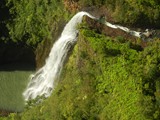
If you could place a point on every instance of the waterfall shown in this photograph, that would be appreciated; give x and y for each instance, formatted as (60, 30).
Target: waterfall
(132, 32)
(42, 82)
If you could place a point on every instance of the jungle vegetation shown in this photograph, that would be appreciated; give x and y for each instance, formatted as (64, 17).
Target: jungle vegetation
(31, 21)
(105, 78)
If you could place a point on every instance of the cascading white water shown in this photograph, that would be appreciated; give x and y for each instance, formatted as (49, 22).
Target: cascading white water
(134, 33)
(42, 82)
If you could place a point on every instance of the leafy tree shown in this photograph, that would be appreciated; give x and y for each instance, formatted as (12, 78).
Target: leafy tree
(33, 20)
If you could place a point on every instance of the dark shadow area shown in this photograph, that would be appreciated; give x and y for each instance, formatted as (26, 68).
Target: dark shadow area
(145, 23)
(17, 66)
(4, 17)
(16, 57)
(13, 56)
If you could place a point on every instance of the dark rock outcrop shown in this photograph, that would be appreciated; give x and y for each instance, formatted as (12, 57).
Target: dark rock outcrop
(103, 29)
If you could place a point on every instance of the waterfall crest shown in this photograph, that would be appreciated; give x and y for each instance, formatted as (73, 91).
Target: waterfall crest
(42, 82)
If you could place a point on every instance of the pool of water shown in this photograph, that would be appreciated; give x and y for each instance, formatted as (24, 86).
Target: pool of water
(12, 84)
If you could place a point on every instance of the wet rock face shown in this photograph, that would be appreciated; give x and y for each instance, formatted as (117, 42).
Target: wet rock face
(98, 25)
(149, 35)
(103, 29)
(43, 49)
(100, 11)
(42, 52)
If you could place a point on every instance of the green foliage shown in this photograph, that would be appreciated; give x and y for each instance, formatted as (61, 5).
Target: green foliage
(3, 20)
(132, 12)
(33, 20)
(92, 2)
(139, 13)
(34, 102)
(103, 79)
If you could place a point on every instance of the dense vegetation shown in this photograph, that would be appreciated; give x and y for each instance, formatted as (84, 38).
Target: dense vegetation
(142, 13)
(105, 78)
(32, 21)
